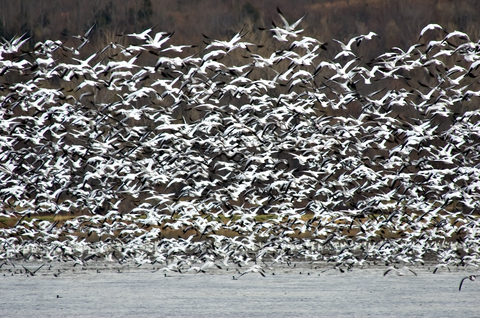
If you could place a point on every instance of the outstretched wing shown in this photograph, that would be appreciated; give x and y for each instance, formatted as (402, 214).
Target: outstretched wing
(461, 283)
(412, 272)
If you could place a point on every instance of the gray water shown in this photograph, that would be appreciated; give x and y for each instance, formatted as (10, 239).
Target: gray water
(287, 293)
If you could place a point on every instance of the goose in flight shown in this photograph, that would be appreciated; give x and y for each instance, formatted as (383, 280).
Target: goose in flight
(32, 273)
(281, 34)
(84, 38)
(140, 36)
(288, 26)
(253, 269)
(357, 40)
(178, 48)
(158, 40)
(400, 272)
(232, 44)
(471, 277)
(431, 26)
(13, 45)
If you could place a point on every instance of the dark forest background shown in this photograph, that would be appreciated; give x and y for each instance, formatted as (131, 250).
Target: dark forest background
(397, 22)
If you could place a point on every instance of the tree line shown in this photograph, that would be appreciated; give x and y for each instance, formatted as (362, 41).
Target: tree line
(398, 22)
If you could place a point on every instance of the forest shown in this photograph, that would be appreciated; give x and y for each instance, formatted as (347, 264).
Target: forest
(397, 22)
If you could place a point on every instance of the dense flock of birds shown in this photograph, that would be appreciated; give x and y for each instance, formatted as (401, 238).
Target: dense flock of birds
(189, 159)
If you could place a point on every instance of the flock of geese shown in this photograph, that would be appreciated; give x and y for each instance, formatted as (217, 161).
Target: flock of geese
(237, 156)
